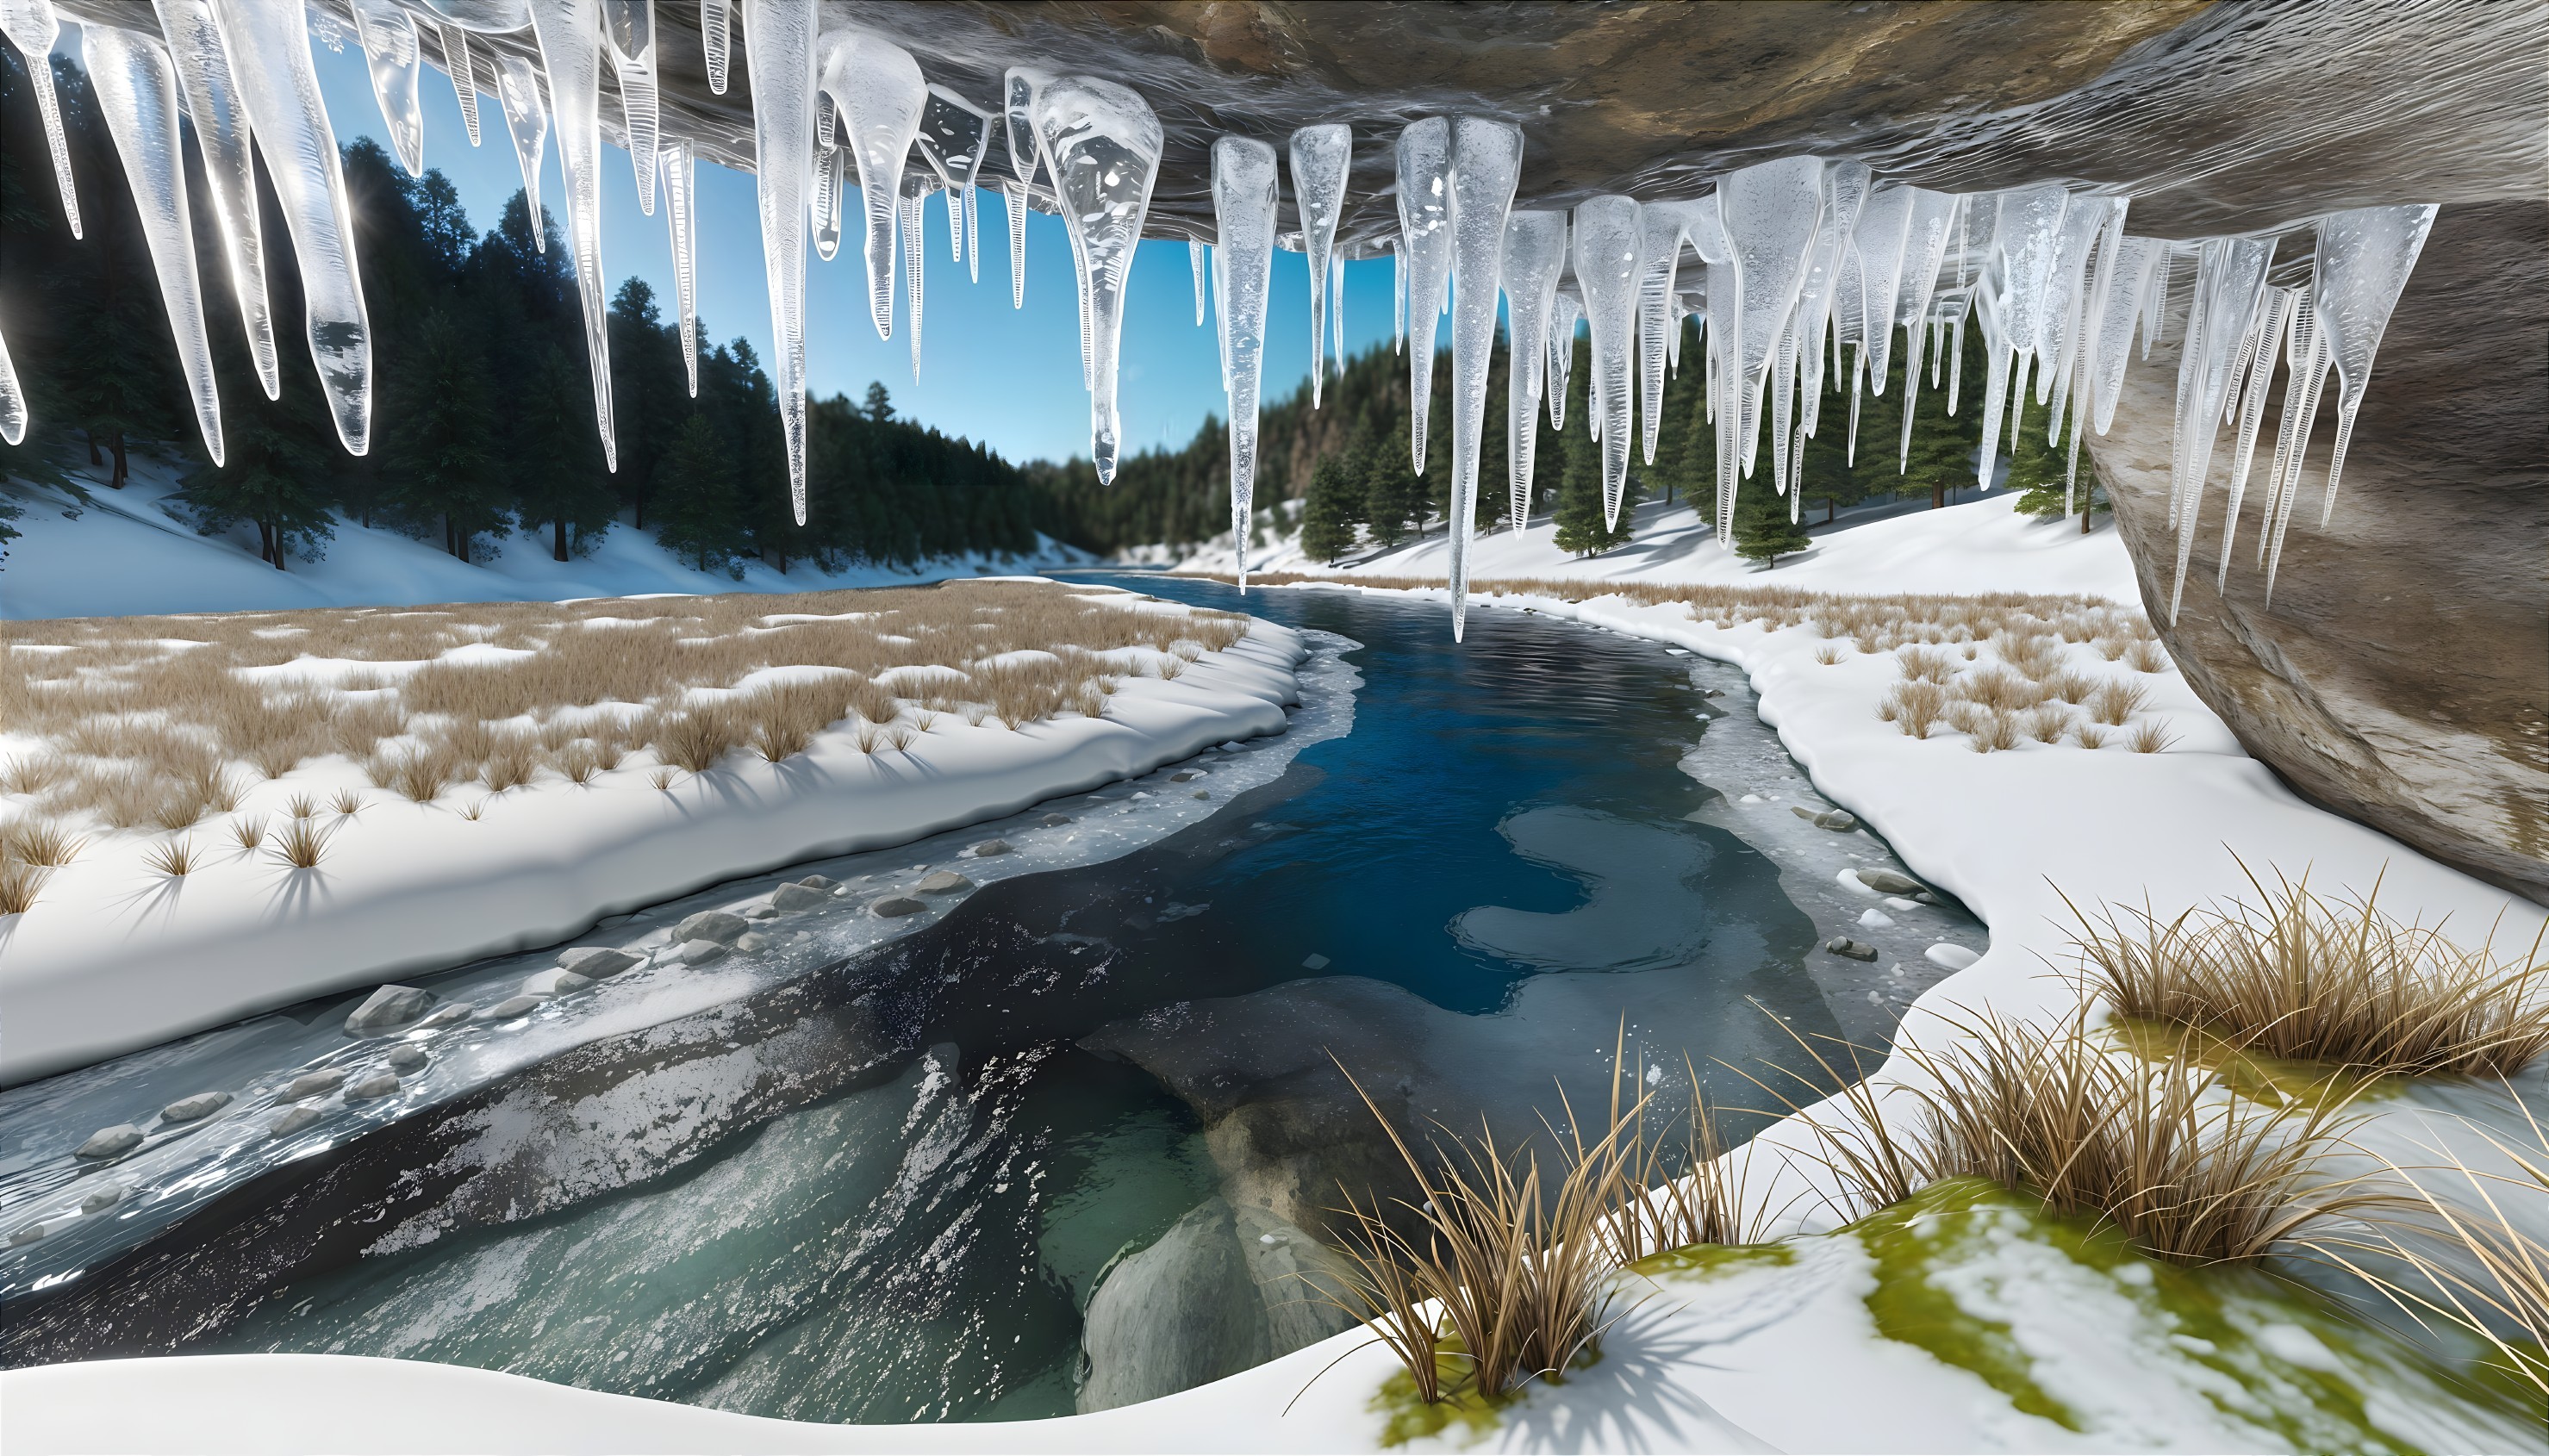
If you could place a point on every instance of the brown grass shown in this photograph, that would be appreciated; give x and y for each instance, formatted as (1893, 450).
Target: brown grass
(2090, 736)
(2046, 722)
(1828, 655)
(41, 843)
(1927, 665)
(173, 858)
(346, 802)
(1916, 706)
(303, 843)
(2150, 736)
(2144, 655)
(19, 883)
(1998, 689)
(249, 833)
(2114, 703)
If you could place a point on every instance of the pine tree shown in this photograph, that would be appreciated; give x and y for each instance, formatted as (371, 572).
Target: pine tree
(695, 511)
(648, 392)
(1762, 530)
(439, 451)
(557, 458)
(2038, 471)
(880, 404)
(1333, 507)
(271, 476)
(1581, 526)
(1395, 499)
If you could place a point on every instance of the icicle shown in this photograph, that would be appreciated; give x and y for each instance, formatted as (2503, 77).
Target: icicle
(714, 17)
(1486, 164)
(1243, 210)
(1566, 312)
(1660, 229)
(1884, 228)
(1398, 295)
(1535, 254)
(876, 86)
(1998, 359)
(2364, 258)
(137, 94)
(569, 33)
(1200, 257)
(2157, 300)
(1337, 312)
(2120, 307)
(679, 209)
(915, 211)
(1846, 186)
(278, 89)
(1925, 251)
(831, 186)
(1770, 212)
(391, 54)
(211, 93)
(1321, 158)
(2065, 278)
(1957, 353)
(2275, 325)
(2226, 286)
(1016, 191)
(1102, 145)
(1017, 112)
(956, 139)
(778, 62)
(1606, 237)
(517, 89)
(464, 75)
(31, 25)
(2080, 362)
(1425, 253)
(13, 401)
(2306, 374)
(629, 27)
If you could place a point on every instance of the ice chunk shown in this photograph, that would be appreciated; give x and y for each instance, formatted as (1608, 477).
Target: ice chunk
(716, 19)
(679, 211)
(2364, 258)
(137, 94)
(391, 54)
(1425, 253)
(1607, 237)
(526, 120)
(629, 27)
(211, 93)
(1102, 145)
(1321, 156)
(878, 88)
(1486, 164)
(1535, 254)
(779, 61)
(569, 33)
(1242, 209)
(31, 25)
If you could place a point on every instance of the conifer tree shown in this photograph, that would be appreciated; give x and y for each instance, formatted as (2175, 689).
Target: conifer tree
(1582, 527)
(1333, 507)
(2038, 471)
(439, 450)
(1762, 530)
(696, 515)
(1395, 499)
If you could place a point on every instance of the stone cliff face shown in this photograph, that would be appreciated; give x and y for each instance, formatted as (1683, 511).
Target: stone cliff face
(2401, 674)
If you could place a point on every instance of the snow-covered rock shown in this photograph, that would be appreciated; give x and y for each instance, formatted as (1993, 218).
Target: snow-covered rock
(790, 899)
(112, 1141)
(944, 883)
(554, 982)
(195, 1108)
(596, 961)
(710, 924)
(388, 1009)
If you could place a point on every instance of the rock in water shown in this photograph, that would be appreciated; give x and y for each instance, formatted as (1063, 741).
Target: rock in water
(712, 925)
(404, 1060)
(894, 905)
(102, 1199)
(1054, 821)
(990, 847)
(1854, 950)
(312, 1084)
(1178, 1315)
(944, 883)
(819, 883)
(372, 1088)
(293, 1121)
(751, 940)
(447, 1014)
(193, 1109)
(510, 1007)
(596, 961)
(26, 1234)
(701, 953)
(555, 982)
(388, 1009)
(112, 1141)
(790, 899)
(1886, 881)
(1840, 821)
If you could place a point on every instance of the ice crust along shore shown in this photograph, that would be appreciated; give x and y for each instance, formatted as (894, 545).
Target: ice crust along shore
(1743, 1364)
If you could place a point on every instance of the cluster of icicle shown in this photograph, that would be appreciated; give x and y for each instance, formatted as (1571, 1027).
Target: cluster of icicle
(1805, 265)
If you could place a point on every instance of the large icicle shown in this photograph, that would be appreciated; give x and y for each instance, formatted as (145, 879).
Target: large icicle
(1924, 250)
(1846, 186)
(1535, 254)
(2119, 309)
(204, 77)
(1884, 228)
(1425, 256)
(454, 43)
(526, 120)
(396, 62)
(2306, 375)
(879, 90)
(1566, 312)
(955, 138)
(1770, 212)
(915, 213)
(1017, 112)
(831, 186)
(680, 208)
(2364, 258)
(1200, 258)
(715, 16)
(1320, 157)
(2228, 284)
(629, 25)
(1242, 209)
(2062, 326)
(1397, 297)
(2275, 324)
(779, 61)
(13, 401)
(137, 94)
(569, 33)
(1662, 227)
(1486, 164)
(1606, 242)
(269, 50)
(1102, 145)
(31, 25)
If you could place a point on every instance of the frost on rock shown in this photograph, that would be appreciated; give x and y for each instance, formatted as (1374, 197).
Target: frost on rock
(629, 25)
(955, 138)
(526, 120)
(569, 33)
(211, 93)
(1770, 212)
(779, 61)
(1486, 164)
(1320, 158)
(1102, 145)
(716, 17)
(391, 54)
(680, 206)
(1607, 235)
(1535, 254)
(879, 92)
(2364, 258)
(1425, 258)
(1243, 210)
(31, 25)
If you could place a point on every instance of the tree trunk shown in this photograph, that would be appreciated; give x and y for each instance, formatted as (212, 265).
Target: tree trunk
(274, 533)
(1831, 508)
(265, 541)
(94, 458)
(2086, 514)
(123, 466)
(1937, 497)
(557, 539)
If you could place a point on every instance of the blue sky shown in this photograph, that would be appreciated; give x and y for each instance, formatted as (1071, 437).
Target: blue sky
(1006, 377)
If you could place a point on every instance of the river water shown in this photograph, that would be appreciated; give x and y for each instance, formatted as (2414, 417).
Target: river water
(1475, 870)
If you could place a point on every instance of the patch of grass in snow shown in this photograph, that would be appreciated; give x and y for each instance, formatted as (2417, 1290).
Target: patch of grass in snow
(1905, 1241)
(2256, 1075)
(1704, 1260)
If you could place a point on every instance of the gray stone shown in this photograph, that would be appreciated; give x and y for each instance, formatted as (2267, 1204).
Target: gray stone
(818, 881)
(445, 1015)
(102, 1198)
(791, 899)
(1201, 794)
(751, 940)
(112, 1141)
(1182, 777)
(1887, 883)
(293, 1121)
(894, 905)
(944, 883)
(1854, 950)
(372, 1088)
(405, 1060)
(554, 982)
(1840, 821)
(26, 1234)
(710, 924)
(195, 1108)
(990, 847)
(510, 1007)
(312, 1084)
(701, 953)
(388, 1009)
(1925, 898)
(844, 892)
(1314, 961)
(1054, 821)
(596, 961)
(760, 912)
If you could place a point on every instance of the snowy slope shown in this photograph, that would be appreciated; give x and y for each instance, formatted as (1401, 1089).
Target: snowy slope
(1982, 545)
(130, 554)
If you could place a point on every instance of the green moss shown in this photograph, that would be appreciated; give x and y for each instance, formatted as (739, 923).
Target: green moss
(1475, 1415)
(1707, 1259)
(2274, 1080)
(1906, 1241)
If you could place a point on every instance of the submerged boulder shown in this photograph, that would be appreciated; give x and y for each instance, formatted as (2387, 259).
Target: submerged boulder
(112, 1141)
(789, 900)
(389, 1009)
(554, 982)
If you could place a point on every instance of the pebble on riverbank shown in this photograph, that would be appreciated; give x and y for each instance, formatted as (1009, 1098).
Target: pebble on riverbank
(195, 1108)
(895, 905)
(944, 883)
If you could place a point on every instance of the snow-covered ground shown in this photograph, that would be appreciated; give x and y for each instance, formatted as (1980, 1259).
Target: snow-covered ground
(2019, 1340)
(132, 553)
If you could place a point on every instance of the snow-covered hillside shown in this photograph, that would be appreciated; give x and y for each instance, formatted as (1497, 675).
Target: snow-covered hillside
(133, 553)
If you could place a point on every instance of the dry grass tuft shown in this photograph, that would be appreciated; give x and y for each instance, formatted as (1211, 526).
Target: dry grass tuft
(2150, 736)
(20, 884)
(2144, 655)
(32, 773)
(41, 843)
(249, 834)
(2038, 656)
(2090, 736)
(1927, 665)
(1998, 689)
(696, 740)
(173, 858)
(2072, 687)
(664, 778)
(1828, 655)
(2047, 722)
(576, 763)
(2114, 703)
(346, 803)
(1985, 730)
(2298, 976)
(1916, 706)
(303, 843)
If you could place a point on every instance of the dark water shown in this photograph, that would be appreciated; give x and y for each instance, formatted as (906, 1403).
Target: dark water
(1503, 834)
